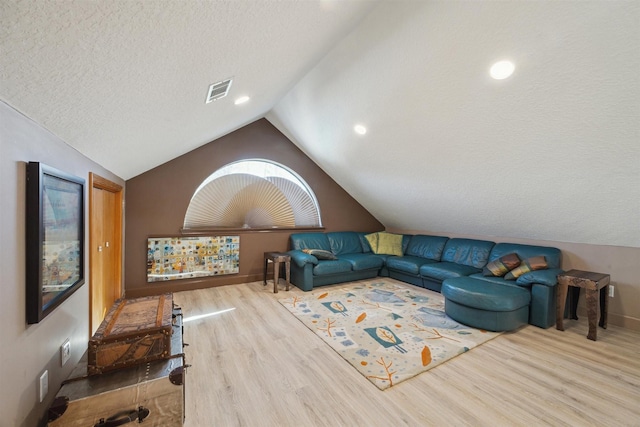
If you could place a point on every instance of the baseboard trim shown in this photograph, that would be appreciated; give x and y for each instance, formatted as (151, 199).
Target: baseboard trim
(615, 319)
(175, 285)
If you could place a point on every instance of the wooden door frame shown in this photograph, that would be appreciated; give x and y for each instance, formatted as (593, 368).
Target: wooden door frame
(96, 181)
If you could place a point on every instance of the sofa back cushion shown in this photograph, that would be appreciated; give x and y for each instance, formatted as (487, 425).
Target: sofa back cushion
(301, 241)
(551, 255)
(429, 247)
(406, 239)
(344, 242)
(471, 252)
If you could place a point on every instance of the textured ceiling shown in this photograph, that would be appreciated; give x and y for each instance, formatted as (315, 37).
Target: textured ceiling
(125, 81)
(552, 153)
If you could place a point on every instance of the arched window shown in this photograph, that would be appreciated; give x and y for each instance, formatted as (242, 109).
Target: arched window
(253, 193)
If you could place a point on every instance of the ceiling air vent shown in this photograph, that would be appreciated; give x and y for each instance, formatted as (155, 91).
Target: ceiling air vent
(218, 90)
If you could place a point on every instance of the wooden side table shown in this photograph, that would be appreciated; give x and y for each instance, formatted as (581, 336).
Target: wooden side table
(276, 258)
(593, 283)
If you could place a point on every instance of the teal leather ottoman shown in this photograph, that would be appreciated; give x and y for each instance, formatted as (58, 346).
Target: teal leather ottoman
(486, 305)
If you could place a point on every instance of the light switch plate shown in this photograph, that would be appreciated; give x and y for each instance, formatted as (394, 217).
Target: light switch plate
(65, 352)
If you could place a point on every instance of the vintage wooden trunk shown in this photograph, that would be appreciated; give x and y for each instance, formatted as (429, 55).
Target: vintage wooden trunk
(152, 393)
(133, 331)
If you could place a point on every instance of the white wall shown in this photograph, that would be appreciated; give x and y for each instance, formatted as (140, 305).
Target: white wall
(27, 350)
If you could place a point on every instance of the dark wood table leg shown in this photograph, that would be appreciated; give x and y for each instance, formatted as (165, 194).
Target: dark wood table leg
(266, 262)
(573, 295)
(560, 303)
(604, 306)
(276, 273)
(592, 312)
(287, 271)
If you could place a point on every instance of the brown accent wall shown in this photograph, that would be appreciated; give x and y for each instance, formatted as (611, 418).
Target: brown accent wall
(156, 203)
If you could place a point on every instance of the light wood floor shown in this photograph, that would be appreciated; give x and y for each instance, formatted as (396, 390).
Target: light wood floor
(257, 365)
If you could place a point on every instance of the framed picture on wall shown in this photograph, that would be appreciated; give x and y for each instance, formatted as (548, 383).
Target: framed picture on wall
(54, 238)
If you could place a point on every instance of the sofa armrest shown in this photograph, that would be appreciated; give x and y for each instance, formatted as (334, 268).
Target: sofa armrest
(300, 258)
(544, 277)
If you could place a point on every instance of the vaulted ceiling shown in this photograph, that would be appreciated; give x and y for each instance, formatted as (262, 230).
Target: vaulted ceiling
(551, 153)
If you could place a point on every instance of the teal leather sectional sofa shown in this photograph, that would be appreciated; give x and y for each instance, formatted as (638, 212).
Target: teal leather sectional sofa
(452, 266)
(355, 260)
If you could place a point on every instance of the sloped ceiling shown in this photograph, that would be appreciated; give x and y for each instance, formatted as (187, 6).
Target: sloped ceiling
(552, 153)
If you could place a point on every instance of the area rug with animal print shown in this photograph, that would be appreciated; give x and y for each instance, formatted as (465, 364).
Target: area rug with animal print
(389, 331)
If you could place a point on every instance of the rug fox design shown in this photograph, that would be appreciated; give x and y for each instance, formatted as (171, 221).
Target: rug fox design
(388, 331)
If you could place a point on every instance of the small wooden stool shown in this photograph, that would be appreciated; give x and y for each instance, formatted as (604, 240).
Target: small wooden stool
(593, 283)
(276, 258)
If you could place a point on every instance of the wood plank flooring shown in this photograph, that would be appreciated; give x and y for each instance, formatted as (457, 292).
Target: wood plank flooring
(257, 365)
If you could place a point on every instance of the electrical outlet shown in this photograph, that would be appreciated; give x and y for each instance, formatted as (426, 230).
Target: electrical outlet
(611, 291)
(44, 385)
(65, 352)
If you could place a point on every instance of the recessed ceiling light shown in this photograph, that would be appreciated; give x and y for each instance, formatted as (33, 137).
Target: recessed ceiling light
(242, 100)
(502, 69)
(360, 129)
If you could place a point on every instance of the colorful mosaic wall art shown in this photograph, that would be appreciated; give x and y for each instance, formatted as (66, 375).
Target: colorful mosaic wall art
(172, 258)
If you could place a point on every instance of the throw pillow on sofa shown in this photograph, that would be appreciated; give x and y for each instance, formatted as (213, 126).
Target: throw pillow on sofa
(372, 238)
(320, 253)
(389, 244)
(529, 264)
(501, 266)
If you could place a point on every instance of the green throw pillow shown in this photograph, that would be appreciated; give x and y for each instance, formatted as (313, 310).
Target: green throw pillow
(530, 264)
(389, 244)
(373, 241)
(320, 253)
(501, 266)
